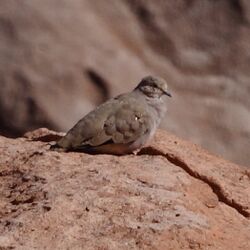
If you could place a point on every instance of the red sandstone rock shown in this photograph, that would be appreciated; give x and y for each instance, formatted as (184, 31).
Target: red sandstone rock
(173, 195)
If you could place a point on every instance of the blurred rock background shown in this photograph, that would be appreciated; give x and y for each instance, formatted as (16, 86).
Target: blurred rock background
(60, 58)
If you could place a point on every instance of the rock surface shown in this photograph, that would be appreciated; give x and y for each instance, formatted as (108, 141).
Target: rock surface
(59, 59)
(172, 195)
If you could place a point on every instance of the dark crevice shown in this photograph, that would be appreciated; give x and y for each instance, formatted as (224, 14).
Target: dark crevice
(25, 111)
(47, 138)
(213, 185)
(9, 30)
(155, 36)
(237, 7)
(100, 83)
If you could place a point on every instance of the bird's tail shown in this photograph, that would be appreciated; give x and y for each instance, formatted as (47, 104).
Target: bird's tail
(61, 145)
(58, 148)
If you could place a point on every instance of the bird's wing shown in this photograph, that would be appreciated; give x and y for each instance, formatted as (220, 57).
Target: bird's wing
(128, 124)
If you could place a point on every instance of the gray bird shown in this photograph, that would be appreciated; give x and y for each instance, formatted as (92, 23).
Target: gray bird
(122, 124)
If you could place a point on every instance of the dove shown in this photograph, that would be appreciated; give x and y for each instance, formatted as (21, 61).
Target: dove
(121, 125)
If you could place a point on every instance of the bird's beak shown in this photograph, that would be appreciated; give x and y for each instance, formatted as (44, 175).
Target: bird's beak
(167, 93)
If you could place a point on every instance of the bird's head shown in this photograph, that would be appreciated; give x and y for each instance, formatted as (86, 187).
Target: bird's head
(153, 87)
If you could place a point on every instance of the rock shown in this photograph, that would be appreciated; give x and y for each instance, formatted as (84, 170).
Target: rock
(43, 134)
(173, 195)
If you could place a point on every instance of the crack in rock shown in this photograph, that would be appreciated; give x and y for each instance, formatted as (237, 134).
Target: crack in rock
(216, 188)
